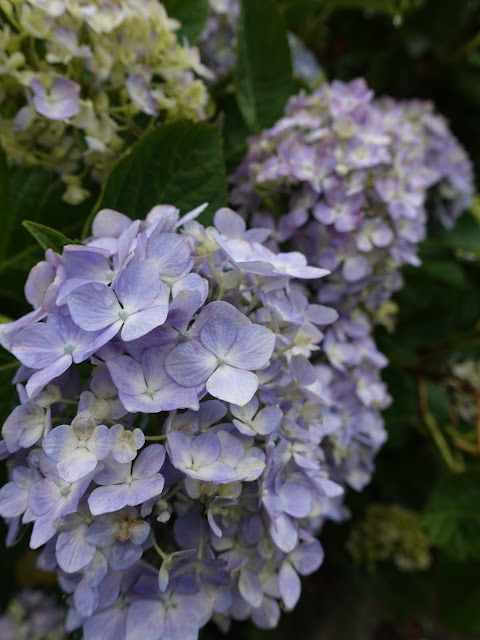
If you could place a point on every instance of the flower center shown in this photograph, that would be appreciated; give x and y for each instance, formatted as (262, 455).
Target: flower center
(123, 315)
(68, 348)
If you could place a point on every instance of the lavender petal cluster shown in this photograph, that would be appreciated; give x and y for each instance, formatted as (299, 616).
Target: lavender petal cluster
(33, 615)
(182, 432)
(219, 40)
(349, 178)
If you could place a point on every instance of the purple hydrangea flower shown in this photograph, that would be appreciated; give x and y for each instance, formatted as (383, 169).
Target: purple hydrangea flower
(223, 358)
(136, 304)
(124, 484)
(78, 447)
(60, 102)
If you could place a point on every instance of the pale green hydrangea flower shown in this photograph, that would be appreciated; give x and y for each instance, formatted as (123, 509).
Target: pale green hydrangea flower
(390, 533)
(82, 80)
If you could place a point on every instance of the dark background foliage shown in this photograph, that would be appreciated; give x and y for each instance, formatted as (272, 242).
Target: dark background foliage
(428, 49)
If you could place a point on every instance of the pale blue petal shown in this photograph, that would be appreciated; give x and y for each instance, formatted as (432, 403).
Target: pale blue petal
(77, 465)
(232, 385)
(72, 551)
(252, 348)
(138, 286)
(38, 346)
(205, 449)
(142, 322)
(60, 443)
(93, 306)
(149, 462)
(190, 364)
(107, 499)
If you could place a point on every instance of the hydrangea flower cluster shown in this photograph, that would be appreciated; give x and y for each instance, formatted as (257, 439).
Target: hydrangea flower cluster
(32, 615)
(82, 80)
(350, 177)
(390, 533)
(218, 43)
(174, 448)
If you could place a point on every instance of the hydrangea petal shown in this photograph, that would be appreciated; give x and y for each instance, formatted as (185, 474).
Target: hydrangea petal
(232, 385)
(138, 286)
(94, 306)
(144, 321)
(252, 348)
(190, 364)
(77, 465)
(108, 498)
(72, 551)
(60, 443)
(38, 346)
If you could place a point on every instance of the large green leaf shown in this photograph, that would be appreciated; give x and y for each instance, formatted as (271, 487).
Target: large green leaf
(191, 13)
(263, 74)
(7, 211)
(179, 164)
(452, 518)
(36, 195)
(8, 398)
(465, 235)
(392, 7)
(458, 595)
(47, 237)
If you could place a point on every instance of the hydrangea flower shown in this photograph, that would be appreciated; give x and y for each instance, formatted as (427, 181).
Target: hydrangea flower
(351, 176)
(71, 106)
(219, 40)
(184, 473)
(33, 615)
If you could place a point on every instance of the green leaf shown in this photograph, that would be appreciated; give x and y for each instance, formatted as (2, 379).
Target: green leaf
(235, 132)
(263, 74)
(458, 595)
(465, 235)
(38, 198)
(179, 164)
(8, 398)
(7, 209)
(452, 518)
(446, 271)
(191, 13)
(392, 7)
(47, 237)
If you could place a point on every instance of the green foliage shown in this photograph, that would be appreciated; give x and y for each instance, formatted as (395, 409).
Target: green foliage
(6, 207)
(191, 13)
(235, 132)
(35, 195)
(180, 164)
(263, 74)
(47, 237)
(459, 595)
(452, 518)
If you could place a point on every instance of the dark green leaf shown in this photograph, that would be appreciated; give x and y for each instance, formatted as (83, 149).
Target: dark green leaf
(47, 237)
(179, 164)
(392, 7)
(459, 595)
(438, 402)
(235, 132)
(465, 235)
(263, 75)
(8, 398)
(38, 198)
(452, 518)
(446, 271)
(191, 13)
(458, 590)
(7, 209)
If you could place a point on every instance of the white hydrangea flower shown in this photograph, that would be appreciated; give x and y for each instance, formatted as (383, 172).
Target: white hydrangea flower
(69, 102)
